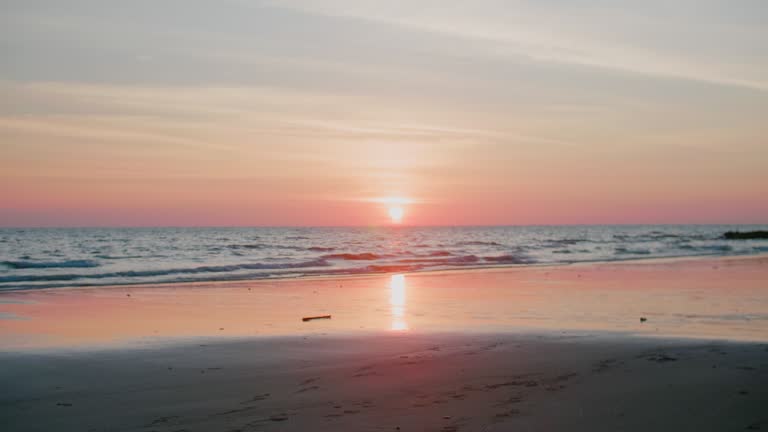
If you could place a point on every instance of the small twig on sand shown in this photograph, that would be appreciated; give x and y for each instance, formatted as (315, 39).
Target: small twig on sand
(305, 319)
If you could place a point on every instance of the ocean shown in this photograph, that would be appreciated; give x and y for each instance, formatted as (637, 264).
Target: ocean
(69, 257)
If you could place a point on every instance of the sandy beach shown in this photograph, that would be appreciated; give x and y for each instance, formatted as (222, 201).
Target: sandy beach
(402, 216)
(530, 348)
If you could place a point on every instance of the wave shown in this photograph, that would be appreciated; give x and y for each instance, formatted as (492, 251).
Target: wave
(706, 248)
(263, 246)
(564, 242)
(50, 264)
(247, 246)
(478, 243)
(394, 268)
(320, 249)
(441, 261)
(165, 272)
(119, 257)
(631, 251)
(659, 236)
(167, 256)
(715, 248)
(366, 256)
(507, 259)
(467, 259)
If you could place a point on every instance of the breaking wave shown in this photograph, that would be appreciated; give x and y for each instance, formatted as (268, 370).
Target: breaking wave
(478, 243)
(50, 264)
(507, 259)
(367, 256)
(165, 272)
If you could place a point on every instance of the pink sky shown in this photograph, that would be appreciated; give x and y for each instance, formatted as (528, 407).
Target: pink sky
(298, 113)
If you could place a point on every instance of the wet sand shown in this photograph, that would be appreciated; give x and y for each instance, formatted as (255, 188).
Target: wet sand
(411, 382)
(551, 348)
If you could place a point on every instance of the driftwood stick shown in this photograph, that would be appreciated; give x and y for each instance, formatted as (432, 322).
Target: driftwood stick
(305, 319)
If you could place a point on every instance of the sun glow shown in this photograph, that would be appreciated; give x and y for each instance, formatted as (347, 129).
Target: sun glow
(396, 213)
(395, 207)
(397, 301)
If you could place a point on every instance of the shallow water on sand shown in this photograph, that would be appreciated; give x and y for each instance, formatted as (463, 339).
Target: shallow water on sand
(706, 297)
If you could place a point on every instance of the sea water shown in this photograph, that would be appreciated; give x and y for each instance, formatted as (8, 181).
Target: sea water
(64, 257)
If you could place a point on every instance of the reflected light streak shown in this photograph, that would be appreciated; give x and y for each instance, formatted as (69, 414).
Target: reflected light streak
(397, 302)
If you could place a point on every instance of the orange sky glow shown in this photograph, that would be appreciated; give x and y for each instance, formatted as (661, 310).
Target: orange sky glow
(448, 115)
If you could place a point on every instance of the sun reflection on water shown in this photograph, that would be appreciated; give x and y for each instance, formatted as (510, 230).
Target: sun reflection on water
(397, 301)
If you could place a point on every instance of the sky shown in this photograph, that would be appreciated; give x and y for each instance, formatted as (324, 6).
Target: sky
(484, 112)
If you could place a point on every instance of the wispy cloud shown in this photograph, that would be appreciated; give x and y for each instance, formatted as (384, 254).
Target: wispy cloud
(273, 104)
(577, 34)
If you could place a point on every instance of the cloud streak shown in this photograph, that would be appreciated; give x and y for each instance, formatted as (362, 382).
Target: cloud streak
(519, 28)
(299, 111)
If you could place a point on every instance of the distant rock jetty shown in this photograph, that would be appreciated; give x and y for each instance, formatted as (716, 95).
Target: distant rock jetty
(747, 235)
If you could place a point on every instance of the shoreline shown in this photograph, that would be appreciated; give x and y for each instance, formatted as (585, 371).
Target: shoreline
(714, 298)
(453, 351)
(354, 276)
(596, 336)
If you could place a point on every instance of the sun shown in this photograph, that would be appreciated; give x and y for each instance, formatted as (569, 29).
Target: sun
(396, 213)
(395, 206)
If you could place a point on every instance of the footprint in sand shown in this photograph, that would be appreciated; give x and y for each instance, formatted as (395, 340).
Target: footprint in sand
(256, 398)
(556, 383)
(554, 388)
(660, 358)
(506, 414)
(512, 400)
(565, 377)
(515, 383)
(235, 411)
(366, 403)
(306, 389)
(606, 365)
(163, 420)
(365, 371)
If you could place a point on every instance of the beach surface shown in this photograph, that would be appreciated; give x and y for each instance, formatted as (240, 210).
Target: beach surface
(529, 348)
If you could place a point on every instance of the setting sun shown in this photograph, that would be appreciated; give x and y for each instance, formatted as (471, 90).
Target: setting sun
(395, 207)
(396, 213)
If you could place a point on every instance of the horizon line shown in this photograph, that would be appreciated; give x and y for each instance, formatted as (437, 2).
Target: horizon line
(397, 226)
